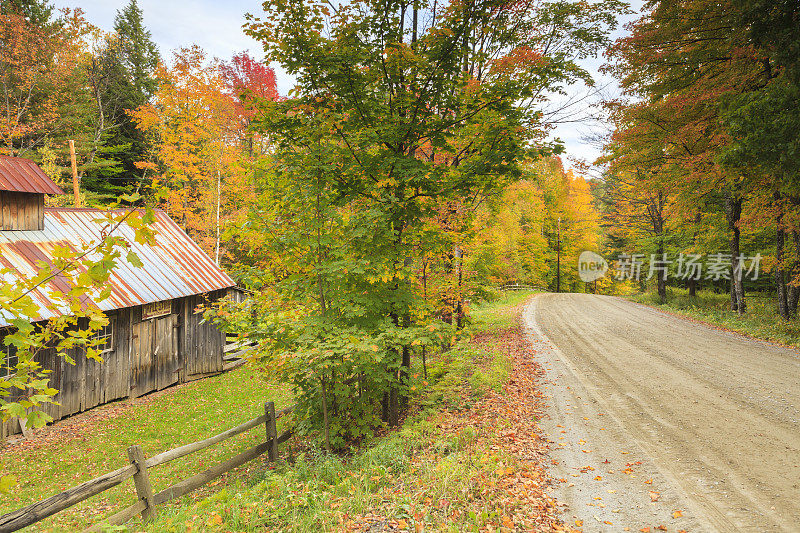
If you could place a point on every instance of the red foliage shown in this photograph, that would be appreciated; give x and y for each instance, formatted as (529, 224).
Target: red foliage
(245, 74)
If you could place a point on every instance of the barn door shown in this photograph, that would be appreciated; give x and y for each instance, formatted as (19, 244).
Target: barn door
(165, 351)
(142, 363)
(154, 353)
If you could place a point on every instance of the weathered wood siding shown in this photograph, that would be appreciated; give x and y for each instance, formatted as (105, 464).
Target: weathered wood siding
(148, 355)
(21, 211)
(200, 339)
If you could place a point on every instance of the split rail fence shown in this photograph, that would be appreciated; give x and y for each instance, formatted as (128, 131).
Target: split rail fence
(138, 469)
(516, 286)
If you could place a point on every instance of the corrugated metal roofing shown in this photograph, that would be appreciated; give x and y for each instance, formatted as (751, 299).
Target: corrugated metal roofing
(23, 175)
(174, 266)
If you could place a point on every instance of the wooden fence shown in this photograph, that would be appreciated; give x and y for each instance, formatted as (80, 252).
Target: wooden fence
(138, 468)
(515, 286)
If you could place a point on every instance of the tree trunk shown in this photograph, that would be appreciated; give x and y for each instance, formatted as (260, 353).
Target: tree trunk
(793, 291)
(692, 285)
(733, 212)
(780, 278)
(661, 278)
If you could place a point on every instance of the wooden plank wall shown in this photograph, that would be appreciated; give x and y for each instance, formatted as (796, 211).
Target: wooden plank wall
(186, 349)
(201, 342)
(21, 211)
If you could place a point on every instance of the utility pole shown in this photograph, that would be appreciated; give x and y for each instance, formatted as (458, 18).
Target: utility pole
(558, 258)
(75, 185)
(219, 202)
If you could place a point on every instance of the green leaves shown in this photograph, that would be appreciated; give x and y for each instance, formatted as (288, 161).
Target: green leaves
(134, 260)
(82, 275)
(401, 121)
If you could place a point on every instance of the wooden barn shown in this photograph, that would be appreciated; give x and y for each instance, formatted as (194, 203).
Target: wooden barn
(154, 338)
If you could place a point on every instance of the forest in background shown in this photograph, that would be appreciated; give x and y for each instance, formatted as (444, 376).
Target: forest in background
(703, 158)
(409, 172)
(177, 130)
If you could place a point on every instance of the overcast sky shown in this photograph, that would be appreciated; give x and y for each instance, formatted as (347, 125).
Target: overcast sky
(217, 28)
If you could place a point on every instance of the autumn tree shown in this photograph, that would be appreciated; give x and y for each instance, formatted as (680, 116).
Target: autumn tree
(81, 271)
(246, 80)
(400, 108)
(681, 62)
(37, 12)
(520, 230)
(196, 159)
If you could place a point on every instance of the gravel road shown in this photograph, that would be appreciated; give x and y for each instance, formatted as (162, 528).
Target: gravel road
(658, 421)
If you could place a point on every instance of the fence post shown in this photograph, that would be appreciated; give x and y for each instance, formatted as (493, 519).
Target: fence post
(272, 431)
(144, 490)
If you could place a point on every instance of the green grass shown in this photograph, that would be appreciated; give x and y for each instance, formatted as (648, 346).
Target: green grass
(761, 321)
(402, 475)
(95, 442)
(425, 472)
(499, 314)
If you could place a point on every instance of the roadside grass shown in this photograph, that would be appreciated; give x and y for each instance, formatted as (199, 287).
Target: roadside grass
(89, 444)
(437, 472)
(761, 321)
(499, 314)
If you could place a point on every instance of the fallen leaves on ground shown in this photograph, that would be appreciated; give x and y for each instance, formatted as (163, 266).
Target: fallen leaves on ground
(506, 422)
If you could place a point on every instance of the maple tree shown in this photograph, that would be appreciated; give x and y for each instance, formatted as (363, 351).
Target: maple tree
(517, 232)
(41, 79)
(81, 271)
(684, 64)
(401, 109)
(198, 162)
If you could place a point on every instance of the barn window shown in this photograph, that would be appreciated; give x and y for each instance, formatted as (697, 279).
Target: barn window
(8, 358)
(105, 337)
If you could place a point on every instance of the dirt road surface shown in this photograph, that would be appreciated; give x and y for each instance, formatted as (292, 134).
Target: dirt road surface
(659, 421)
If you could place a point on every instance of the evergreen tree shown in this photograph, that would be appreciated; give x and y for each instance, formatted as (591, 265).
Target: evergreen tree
(36, 12)
(123, 75)
(137, 53)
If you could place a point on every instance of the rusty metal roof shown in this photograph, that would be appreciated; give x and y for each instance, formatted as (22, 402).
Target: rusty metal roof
(23, 175)
(174, 266)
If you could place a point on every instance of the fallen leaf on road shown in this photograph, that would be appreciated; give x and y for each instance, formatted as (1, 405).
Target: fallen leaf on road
(677, 514)
(598, 478)
(649, 482)
(654, 496)
(661, 528)
(579, 523)
(645, 530)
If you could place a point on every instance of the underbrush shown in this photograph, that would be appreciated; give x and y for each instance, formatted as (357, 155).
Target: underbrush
(761, 320)
(431, 473)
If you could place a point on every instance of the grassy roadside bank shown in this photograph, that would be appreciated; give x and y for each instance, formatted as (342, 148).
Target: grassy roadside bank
(761, 321)
(467, 460)
(84, 446)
